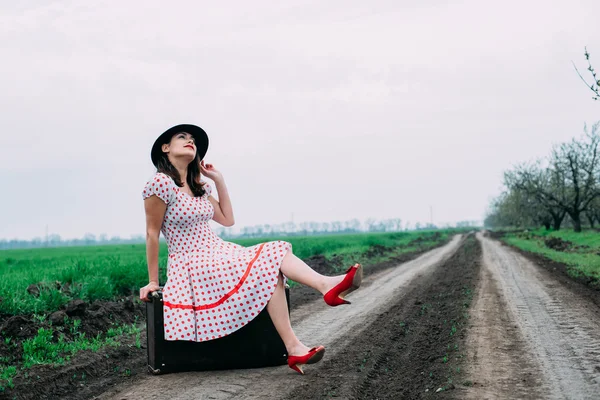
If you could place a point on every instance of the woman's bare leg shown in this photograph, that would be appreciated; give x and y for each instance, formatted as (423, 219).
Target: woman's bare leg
(297, 270)
(278, 311)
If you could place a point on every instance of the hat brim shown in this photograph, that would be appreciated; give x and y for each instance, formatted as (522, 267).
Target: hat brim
(198, 133)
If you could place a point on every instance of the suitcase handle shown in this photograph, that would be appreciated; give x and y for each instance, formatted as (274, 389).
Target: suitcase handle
(153, 295)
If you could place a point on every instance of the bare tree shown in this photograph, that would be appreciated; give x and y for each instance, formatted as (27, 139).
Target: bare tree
(336, 226)
(304, 227)
(397, 224)
(268, 229)
(354, 224)
(537, 192)
(371, 224)
(579, 161)
(593, 212)
(569, 184)
(595, 85)
(516, 208)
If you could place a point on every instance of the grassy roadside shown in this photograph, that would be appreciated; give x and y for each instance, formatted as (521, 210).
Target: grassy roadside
(580, 252)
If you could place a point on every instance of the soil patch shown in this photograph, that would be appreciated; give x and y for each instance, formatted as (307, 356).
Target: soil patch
(95, 318)
(85, 368)
(415, 349)
(556, 243)
(88, 373)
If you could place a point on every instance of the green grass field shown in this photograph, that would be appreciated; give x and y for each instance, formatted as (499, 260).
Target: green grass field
(104, 272)
(582, 259)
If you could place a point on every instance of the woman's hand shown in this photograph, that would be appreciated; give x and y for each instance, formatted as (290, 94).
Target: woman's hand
(210, 171)
(146, 290)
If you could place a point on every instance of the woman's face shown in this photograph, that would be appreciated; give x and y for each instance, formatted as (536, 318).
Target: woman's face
(182, 145)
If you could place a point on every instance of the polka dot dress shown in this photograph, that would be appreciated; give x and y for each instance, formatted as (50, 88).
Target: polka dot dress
(213, 287)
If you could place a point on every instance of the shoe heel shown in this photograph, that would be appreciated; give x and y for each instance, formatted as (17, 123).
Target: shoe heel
(357, 280)
(296, 368)
(313, 356)
(335, 296)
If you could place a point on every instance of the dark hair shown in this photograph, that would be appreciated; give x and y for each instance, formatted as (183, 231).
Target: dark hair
(193, 176)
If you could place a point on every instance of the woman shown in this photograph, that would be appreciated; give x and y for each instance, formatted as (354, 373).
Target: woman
(215, 287)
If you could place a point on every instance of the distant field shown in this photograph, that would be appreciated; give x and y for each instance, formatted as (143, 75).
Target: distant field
(104, 272)
(579, 251)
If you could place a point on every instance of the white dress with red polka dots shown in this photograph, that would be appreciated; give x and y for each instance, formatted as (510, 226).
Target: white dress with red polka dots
(213, 287)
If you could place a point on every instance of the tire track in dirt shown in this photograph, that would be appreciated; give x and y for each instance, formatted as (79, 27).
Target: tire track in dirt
(314, 323)
(555, 350)
(498, 358)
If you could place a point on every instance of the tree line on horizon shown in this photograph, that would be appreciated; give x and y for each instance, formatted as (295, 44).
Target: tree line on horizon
(335, 227)
(284, 229)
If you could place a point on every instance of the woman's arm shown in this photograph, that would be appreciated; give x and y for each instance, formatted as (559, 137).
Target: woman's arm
(223, 209)
(155, 213)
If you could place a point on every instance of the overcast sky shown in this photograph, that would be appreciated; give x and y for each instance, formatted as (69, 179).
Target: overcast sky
(328, 110)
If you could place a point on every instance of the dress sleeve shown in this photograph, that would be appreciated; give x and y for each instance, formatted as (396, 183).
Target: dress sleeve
(207, 188)
(160, 186)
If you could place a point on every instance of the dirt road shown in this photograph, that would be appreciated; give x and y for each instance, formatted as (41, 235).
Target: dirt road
(314, 324)
(531, 336)
(473, 319)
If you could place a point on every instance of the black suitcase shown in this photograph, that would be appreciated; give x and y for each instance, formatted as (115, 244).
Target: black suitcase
(255, 345)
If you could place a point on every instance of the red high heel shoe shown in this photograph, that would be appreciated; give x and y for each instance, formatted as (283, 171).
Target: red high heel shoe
(351, 282)
(314, 355)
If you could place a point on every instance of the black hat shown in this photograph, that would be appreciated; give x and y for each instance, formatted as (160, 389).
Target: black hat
(198, 133)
